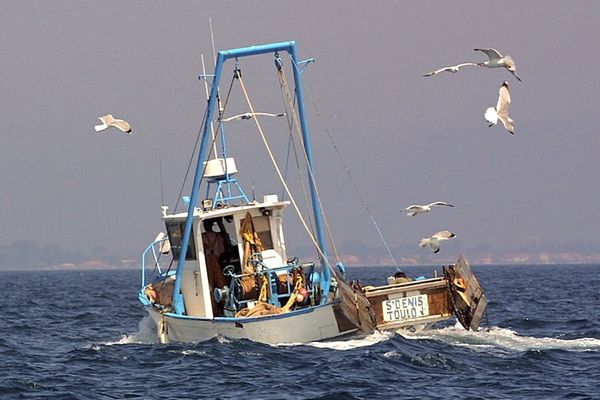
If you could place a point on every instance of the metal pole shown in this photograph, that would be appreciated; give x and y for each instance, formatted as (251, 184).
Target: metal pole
(290, 47)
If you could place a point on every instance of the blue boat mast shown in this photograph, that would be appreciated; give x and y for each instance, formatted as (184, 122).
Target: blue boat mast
(290, 48)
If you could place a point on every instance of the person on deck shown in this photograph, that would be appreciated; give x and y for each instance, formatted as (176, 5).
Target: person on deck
(400, 277)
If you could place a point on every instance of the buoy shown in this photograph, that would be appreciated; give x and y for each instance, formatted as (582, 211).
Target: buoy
(302, 295)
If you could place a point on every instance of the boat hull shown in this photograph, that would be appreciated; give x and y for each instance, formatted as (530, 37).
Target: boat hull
(308, 325)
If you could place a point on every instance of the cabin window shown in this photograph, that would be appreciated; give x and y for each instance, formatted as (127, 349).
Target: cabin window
(263, 229)
(175, 230)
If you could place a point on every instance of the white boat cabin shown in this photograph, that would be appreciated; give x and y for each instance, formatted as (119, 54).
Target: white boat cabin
(216, 250)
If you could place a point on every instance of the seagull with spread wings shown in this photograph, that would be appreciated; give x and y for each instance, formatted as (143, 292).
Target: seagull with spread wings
(452, 68)
(415, 209)
(108, 121)
(492, 115)
(249, 115)
(433, 241)
(497, 60)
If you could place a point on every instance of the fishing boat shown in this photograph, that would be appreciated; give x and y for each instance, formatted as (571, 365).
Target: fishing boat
(228, 270)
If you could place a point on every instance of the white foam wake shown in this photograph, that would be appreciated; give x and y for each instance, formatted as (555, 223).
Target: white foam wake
(146, 333)
(369, 340)
(503, 339)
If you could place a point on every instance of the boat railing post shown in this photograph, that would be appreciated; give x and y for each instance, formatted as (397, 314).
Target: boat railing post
(143, 259)
(143, 265)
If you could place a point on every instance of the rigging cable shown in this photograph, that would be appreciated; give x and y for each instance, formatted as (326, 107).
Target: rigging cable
(291, 137)
(162, 202)
(292, 119)
(198, 139)
(212, 146)
(312, 177)
(187, 171)
(356, 188)
(278, 170)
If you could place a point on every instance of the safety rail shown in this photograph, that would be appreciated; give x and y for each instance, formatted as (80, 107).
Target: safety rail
(152, 246)
(271, 274)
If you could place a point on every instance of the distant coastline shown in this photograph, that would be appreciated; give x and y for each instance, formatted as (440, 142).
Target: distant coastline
(12, 262)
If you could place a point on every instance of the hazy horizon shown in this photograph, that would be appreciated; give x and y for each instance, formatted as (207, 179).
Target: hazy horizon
(407, 139)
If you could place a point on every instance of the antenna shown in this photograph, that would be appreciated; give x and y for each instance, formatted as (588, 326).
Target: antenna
(163, 206)
(220, 106)
(212, 39)
(162, 192)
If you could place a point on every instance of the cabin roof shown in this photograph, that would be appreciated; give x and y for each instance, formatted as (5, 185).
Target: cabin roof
(229, 210)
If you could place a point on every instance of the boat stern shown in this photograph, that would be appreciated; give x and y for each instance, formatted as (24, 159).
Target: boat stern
(468, 299)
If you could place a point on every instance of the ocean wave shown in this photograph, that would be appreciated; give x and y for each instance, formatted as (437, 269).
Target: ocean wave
(146, 334)
(349, 344)
(503, 339)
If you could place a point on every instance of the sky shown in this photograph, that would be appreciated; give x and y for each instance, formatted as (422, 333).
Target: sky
(405, 138)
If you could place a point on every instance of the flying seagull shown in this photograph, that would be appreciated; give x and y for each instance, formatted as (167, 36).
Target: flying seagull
(451, 68)
(497, 60)
(421, 209)
(109, 121)
(492, 115)
(249, 115)
(433, 241)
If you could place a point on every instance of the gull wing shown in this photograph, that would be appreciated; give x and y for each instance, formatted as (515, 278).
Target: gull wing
(413, 210)
(491, 53)
(121, 125)
(238, 116)
(248, 115)
(437, 71)
(451, 68)
(440, 203)
(502, 108)
(104, 125)
(503, 101)
(515, 75)
(270, 114)
(434, 244)
(443, 235)
(509, 125)
(466, 64)
(107, 119)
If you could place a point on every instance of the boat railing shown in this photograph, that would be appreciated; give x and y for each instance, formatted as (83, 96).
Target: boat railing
(271, 275)
(152, 248)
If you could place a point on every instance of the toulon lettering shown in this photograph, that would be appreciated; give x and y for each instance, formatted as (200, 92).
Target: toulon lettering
(404, 308)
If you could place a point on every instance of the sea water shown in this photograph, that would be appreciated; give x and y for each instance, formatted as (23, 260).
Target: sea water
(83, 335)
